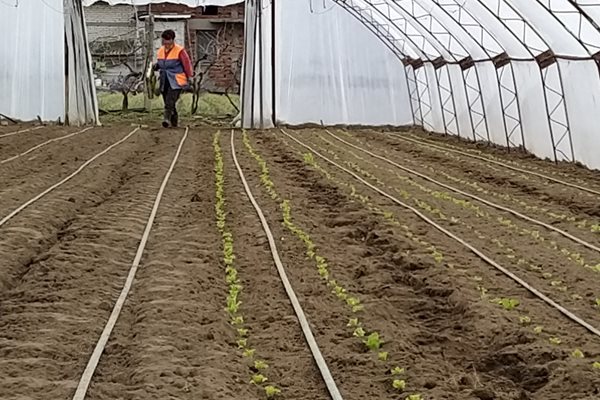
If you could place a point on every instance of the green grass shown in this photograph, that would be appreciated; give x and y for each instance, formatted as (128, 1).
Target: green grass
(211, 107)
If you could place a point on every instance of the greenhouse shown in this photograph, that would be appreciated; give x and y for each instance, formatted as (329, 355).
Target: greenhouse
(300, 199)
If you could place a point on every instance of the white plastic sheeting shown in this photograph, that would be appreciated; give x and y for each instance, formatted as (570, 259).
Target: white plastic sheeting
(328, 69)
(512, 72)
(35, 82)
(331, 70)
(32, 78)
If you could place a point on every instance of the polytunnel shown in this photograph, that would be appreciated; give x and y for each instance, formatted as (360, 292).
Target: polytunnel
(513, 73)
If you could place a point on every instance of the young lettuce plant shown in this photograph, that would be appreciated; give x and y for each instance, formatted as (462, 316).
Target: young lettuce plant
(399, 384)
(257, 379)
(271, 391)
(373, 342)
(577, 354)
(260, 365)
(507, 304)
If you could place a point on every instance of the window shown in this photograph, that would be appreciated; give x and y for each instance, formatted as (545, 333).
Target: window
(210, 10)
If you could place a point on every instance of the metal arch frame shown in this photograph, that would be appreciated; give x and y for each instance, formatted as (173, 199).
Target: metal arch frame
(581, 8)
(370, 7)
(553, 113)
(478, 98)
(389, 40)
(446, 57)
(548, 91)
(429, 36)
(514, 90)
(437, 65)
(582, 17)
(499, 68)
(374, 27)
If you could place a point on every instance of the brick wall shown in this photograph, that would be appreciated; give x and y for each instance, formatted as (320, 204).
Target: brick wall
(221, 76)
(104, 21)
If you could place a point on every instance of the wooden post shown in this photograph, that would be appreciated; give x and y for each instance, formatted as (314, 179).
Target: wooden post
(149, 54)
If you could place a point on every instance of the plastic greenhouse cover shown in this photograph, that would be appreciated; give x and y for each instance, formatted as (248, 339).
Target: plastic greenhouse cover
(332, 70)
(32, 67)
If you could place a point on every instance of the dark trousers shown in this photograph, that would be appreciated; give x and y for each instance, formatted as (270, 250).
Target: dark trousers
(170, 97)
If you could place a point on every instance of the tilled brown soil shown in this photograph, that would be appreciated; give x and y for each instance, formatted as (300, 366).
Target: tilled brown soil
(173, 339)
(21, 142)
(456, 342)
(433, 302)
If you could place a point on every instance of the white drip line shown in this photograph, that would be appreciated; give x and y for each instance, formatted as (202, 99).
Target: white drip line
(308, 335)
(451, 235)
(88, 373)
(63, 181)
(472, 196)
(21, 131)
(47, 142)
(426, 143)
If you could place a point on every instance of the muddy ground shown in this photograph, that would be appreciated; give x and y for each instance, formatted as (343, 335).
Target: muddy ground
(433, 302)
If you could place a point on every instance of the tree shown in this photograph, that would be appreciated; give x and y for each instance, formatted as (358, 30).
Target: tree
(212, 52)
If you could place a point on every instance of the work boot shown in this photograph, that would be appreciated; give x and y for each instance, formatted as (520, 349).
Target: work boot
(165, 123)
(174, 120)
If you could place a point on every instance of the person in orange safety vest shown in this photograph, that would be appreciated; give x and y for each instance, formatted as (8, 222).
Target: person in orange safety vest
(176, 70)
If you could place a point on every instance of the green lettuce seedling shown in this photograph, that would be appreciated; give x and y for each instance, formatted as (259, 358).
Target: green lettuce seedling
(508, 304)
(373, 342)
(271, 391)
(399, 384)
(257, 379)
(359, 332)
(383, 355)
(249, 352)
(397, 371)
(577, 354)
(260, 365)
(353, 322)
(525, 320)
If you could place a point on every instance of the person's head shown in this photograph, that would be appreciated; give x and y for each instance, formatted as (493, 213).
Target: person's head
(168, 38)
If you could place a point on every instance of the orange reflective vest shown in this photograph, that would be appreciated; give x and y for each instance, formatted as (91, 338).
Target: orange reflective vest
(171, 68)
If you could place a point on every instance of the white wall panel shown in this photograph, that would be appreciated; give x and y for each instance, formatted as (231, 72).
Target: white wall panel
(32, 67)
(331, 69)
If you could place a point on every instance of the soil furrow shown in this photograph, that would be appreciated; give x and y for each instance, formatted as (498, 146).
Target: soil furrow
(564, 207)
(13, 145)
(166, 346)
(173, 339)
(454, 342)
(562, 170)
(543, 259)
(29, 175)
(51, 318)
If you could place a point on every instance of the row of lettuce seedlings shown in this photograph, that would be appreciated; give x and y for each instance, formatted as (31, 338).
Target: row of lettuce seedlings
(509, 252)
(258, 366)
(507, 304)
(372, 340)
